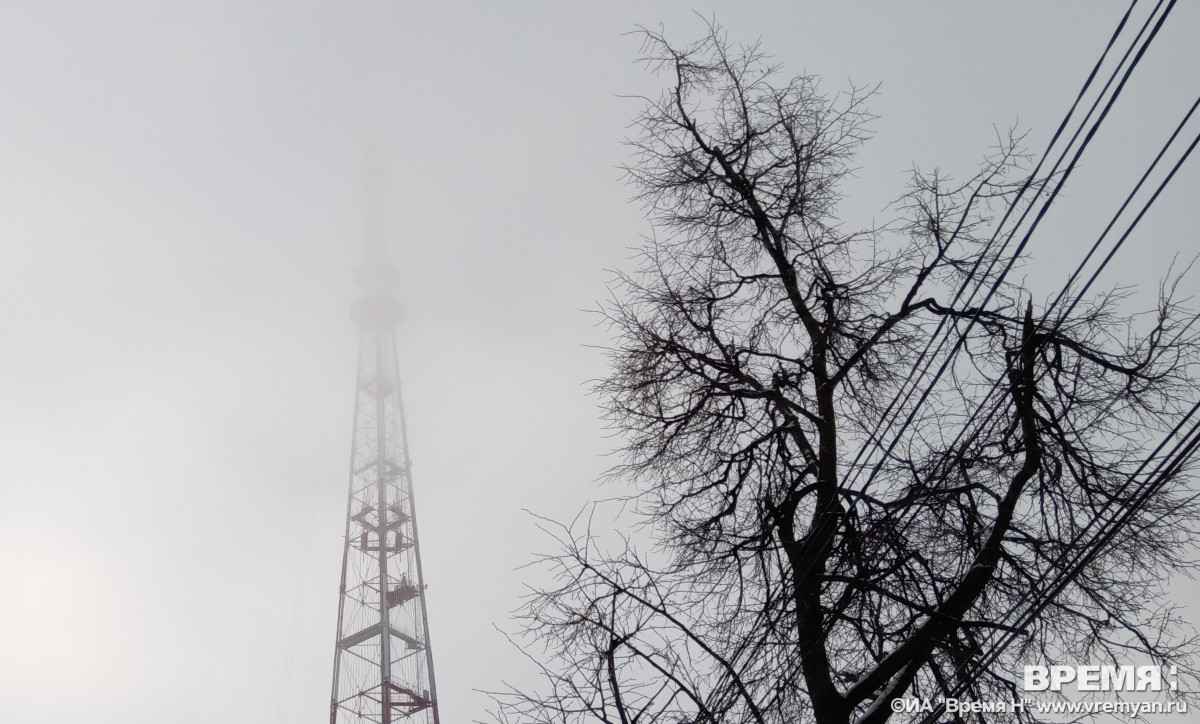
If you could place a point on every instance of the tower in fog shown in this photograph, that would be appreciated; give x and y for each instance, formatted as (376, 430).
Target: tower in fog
(383, 662)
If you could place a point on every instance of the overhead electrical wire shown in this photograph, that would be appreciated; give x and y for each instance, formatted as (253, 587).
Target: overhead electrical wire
(1181, 452)
(1011, 234)
(1054, 172)
(899, 400)
(1087, 545)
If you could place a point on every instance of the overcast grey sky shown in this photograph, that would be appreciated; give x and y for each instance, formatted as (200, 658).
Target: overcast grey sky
(181, 205)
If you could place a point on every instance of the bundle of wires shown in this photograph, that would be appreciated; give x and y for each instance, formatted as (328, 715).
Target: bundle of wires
(1010, 239)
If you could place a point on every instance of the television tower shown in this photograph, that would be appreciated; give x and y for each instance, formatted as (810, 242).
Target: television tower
(382, 663)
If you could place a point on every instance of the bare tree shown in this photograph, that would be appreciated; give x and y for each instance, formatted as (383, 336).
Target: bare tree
(860, 458)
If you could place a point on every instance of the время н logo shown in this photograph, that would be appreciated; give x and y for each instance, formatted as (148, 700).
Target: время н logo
(1100, 678)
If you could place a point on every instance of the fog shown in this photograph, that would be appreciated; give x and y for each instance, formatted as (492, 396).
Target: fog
(182, 203)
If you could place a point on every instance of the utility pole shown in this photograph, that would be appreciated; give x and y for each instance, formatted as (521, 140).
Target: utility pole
(383, 661)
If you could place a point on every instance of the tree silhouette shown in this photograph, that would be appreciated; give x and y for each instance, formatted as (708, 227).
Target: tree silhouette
(859, 458)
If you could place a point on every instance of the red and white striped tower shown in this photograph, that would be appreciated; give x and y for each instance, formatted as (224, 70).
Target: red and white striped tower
(383, 661)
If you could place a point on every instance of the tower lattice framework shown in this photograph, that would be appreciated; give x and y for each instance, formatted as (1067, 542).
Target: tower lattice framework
(383, 662)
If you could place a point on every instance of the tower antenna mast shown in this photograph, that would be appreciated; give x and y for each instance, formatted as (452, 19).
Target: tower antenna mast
(383, 661)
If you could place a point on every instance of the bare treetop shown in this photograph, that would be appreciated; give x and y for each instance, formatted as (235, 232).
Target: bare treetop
(867, 455)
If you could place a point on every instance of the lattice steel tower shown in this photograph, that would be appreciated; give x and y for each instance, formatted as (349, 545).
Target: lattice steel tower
(383, 663)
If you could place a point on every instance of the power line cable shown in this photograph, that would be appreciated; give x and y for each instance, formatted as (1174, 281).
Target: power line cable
(1088, 549)
(1041, 598)
(1074, 161)
(875, 437)
(999, 280)
(1181, 452)
(1091, 133)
